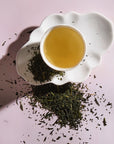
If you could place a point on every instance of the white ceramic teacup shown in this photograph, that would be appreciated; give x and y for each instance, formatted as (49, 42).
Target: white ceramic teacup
(42, 48)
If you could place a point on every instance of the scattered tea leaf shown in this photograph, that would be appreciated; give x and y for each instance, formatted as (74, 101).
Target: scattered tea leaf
(58, 138)
(104, 122)
(45, 139)
(71, 138)
(96, 101)
(21, 106)
(3, 43)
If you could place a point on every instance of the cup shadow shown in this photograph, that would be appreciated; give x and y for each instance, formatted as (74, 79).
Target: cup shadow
(11, 84)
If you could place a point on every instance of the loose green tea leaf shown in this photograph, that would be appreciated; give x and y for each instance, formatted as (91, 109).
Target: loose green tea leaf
(53, 140)
(3, 43)
(104, 122)
(109, 104)
(58, 138)
(96, 101)
(45, 139)
(71, 138)
(21, 106)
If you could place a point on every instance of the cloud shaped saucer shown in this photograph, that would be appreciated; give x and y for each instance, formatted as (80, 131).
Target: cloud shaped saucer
(97, 31)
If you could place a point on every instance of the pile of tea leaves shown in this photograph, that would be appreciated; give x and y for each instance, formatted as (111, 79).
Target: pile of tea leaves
(40, 70)
(66, 102)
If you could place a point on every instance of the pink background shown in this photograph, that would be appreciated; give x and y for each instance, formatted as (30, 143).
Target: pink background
(18, 16)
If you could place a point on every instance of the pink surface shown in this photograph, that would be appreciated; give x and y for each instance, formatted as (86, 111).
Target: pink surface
(19, 17)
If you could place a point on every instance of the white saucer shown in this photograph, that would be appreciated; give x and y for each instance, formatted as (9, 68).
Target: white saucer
(98, 34)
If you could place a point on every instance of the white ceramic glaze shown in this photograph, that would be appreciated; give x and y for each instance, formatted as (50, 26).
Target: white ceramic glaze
(97, 31)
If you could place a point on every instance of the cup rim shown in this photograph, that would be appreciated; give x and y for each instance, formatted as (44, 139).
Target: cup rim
(42, 48)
